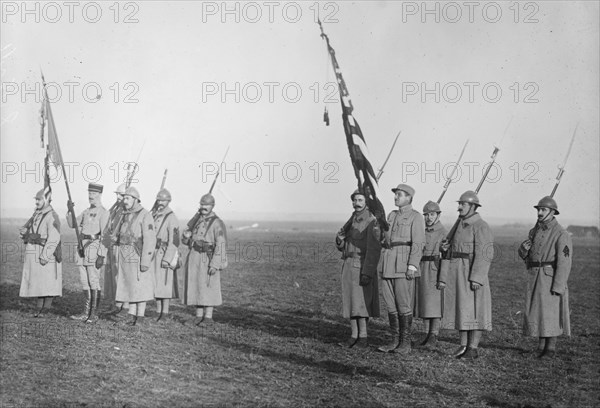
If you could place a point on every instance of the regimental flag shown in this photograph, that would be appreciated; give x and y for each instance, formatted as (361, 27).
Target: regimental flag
(53, 153)
(359, 153)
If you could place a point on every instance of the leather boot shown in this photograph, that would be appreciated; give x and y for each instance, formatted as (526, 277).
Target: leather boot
(93, 317)
(86, 311)
(395, 329)
(405, 334)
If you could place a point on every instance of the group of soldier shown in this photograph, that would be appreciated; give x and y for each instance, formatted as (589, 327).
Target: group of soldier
(442, 278)
(421, 270)
(131, 253)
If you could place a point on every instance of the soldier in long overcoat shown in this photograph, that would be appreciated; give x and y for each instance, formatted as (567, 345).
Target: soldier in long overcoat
(42, 267)
(111, 268)
(136, 241)
(399, 265)
(470, 251)
(207, 258)
(359, 241)
(166, 256)
(548, 254)
(429, 297)
(92, 223)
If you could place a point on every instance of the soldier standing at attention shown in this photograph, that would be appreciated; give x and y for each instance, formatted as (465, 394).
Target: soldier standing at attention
(136, 242)
(429, 296)
(166, 256)
(359, 241)
(42, 268)
(470, 252)
(92, 223)
(108, 239)
(548, 254)
(399, 262)
(206, 238)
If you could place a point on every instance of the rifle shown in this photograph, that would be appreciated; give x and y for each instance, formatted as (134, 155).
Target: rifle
(162, 185)
(196, 216)
(450, 237)
(449, 179)
(561, 171)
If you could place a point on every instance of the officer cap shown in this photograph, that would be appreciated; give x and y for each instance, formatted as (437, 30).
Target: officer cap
(96, 188)
(469, 197)
(406, 188)
(548, 202)
(431, 206)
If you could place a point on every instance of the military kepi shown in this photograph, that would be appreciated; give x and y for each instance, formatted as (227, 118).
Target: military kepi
(96, 188)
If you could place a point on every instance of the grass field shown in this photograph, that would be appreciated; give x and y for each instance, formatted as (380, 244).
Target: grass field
(275, 341)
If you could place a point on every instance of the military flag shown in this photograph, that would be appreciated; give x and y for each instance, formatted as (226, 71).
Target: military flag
(359, 153)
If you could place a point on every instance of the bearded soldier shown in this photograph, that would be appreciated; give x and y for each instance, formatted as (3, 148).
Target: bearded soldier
(136, 242)
(548, 254)
(206, 238)
(429, 297)
(466, 281)
(42, 268)
(111, 268)
(399, 265)
(166, 256)
(92, 223)
(359, 243)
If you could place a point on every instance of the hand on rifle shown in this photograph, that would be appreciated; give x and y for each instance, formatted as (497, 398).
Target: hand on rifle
(164, 264)
(445, 246)
(99, 262)
(524, 249)
(212, 271)
(22, 231)
(440, 285)
(143, 268)
(364, 280)
(43, 261)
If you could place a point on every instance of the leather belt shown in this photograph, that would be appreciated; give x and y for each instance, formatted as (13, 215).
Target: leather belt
(91, 237)
(461, 255)
(539, 264)
(426, 258)
(401, 243)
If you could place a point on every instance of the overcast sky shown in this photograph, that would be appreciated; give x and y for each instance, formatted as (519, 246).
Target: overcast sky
(178, 82)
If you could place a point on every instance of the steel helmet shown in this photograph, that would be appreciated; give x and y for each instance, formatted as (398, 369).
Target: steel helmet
(132, 191)
(163, 194)
(40, 195)
(121, 189)
(357, 192)
(548, 202)
(406, 188)
(207, 199)
(431, 207)
(469, 197)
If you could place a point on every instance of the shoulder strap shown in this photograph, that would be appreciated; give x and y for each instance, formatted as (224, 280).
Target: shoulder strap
(37, 231)
(210, 223)
(163, 223)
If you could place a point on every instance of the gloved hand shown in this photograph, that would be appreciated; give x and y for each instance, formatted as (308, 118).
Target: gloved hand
(99, 261)
(164, 264)
(364, 280)
(143, 268)
(212, 271)
(475, 286)
(440, 285)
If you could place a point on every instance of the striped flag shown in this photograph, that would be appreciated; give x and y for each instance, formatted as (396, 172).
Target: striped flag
(359, 153)
(53, 153)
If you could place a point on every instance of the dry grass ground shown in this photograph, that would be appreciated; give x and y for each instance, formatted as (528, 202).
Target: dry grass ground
(275, 342)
